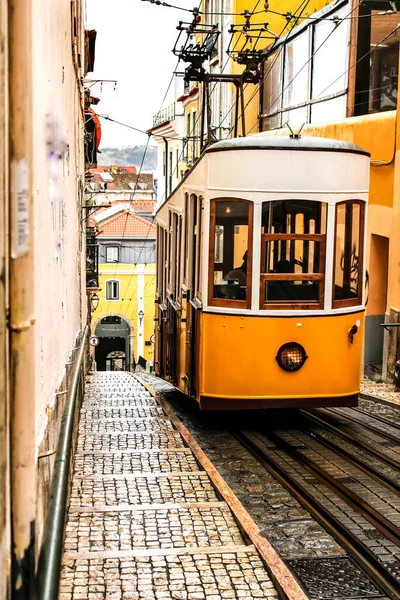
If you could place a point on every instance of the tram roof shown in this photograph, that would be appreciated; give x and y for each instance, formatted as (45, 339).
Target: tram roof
(280, 142)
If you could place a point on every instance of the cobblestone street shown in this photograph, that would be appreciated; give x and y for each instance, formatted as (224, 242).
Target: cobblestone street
(144, 520)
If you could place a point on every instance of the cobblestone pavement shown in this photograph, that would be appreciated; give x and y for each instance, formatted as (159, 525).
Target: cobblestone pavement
(381, 391)
(144, 521)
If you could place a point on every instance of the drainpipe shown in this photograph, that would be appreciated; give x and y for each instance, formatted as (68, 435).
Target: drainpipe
(166, 167)
(21, 317)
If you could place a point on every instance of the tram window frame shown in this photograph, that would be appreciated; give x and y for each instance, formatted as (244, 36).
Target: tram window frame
(161, 233)
(165, 265)
(178, 291)
(354, 300)
(191, 215)
(285, 277)
(174, 255)
(231, 302)
(200, 208)
(186, 240)
(169, 254)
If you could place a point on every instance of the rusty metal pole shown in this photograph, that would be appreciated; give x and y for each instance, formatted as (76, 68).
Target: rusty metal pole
(21, 319)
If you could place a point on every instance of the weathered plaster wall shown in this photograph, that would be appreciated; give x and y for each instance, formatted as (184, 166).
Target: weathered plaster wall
(57, 181)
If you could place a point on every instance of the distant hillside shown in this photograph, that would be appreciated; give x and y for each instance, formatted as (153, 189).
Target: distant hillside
(129, 156)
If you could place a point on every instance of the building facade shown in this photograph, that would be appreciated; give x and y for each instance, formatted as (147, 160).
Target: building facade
(42, 287)
(123, 320)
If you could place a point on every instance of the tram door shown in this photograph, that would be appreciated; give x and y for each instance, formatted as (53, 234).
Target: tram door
(191, 311)
(171, 343)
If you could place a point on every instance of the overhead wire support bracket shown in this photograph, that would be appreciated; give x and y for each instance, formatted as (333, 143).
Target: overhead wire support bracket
(247, 55)
(196, 51)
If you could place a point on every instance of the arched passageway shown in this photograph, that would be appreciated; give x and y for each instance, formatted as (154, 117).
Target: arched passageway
(114, 349)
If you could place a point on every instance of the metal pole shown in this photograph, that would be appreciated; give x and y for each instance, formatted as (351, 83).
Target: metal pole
(22, 315)
(51, 551)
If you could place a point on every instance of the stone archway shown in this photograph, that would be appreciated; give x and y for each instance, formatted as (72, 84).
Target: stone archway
(115, 334)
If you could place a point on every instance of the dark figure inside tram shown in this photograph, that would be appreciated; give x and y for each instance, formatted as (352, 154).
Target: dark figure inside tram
(239, 273)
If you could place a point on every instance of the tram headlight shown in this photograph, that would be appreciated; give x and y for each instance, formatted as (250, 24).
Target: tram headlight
(291, 356)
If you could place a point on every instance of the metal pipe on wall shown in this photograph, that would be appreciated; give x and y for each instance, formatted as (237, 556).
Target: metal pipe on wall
(21, 319)
(51, 551)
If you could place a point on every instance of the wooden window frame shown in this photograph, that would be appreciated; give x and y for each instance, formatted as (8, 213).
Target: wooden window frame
(230, 302)
(294, 305)
(200, 201)
(186, 241)
(178, 275)
(113, 247)
(349, 302)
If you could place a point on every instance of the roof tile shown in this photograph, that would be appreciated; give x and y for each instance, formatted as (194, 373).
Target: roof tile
(127, 224)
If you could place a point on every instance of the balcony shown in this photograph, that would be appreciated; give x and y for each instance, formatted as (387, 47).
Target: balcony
(92, 260)
(190, 148)
(165, 114)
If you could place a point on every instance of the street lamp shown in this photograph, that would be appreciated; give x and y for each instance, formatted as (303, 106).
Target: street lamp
(94, 301)
(140, 315)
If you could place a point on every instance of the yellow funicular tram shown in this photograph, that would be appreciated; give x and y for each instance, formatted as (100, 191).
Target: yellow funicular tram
(260, 276)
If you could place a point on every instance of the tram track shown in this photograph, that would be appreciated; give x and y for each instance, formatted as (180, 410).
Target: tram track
(330, 424)
(362, 421)
(272, 451)
(324, 493)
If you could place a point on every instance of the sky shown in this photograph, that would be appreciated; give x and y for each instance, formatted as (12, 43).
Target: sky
(134, 46)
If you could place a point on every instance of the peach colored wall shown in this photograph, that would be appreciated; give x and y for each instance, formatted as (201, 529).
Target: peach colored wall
(58, 172)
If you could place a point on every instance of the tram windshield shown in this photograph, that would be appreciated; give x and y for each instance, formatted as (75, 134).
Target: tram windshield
(231, 222)
(293, 237)
(349, 241)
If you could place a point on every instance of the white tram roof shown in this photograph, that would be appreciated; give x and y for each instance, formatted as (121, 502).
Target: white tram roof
(280, 142)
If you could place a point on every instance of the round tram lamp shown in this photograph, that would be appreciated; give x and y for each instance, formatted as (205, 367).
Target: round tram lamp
(140, 315)
(94, 301)
(291, 356)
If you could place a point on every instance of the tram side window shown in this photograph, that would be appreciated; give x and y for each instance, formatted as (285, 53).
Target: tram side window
(230, 241)
(293, 238)
(161, 235)
(348, 266)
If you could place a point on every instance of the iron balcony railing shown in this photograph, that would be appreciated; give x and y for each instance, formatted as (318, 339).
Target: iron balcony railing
(92, 259)
(165, 114)
(190, 148)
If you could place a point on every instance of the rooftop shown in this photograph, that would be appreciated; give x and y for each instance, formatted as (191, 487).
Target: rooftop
(126, 224)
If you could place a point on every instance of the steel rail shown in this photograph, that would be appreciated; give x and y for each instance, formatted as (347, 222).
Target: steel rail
(380, 419)
(370, 428)
(346, 436)
(359, 552)
(389, 529)
(48, 575)
(355, 461)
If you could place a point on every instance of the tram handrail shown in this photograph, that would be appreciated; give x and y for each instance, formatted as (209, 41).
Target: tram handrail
(48, 576)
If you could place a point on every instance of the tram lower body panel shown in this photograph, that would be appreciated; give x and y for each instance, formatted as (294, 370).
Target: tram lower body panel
(239, 362)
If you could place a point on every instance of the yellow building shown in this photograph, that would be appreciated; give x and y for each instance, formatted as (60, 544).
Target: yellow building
(123, 320)
(344, 85)
(280, 19)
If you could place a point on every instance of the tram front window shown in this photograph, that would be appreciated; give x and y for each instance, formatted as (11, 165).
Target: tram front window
(229, 251)
(348, 254)
(293, 253)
